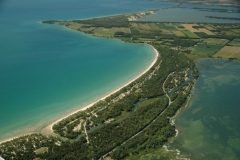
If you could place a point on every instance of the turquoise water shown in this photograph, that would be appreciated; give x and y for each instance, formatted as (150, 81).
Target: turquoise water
(48, 71)
(209, 128)
(187, 13)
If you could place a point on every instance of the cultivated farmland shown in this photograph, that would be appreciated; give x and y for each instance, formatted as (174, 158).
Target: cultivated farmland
(229, 52)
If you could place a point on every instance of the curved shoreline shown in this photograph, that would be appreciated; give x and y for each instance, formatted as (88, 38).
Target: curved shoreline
(48, 129)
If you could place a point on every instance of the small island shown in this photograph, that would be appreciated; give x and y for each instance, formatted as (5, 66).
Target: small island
(137, 119)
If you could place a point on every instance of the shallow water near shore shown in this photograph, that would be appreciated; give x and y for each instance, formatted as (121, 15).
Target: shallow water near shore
(48, 71)
(209, 127)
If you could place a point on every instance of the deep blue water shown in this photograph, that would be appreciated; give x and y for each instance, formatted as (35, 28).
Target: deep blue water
(47, 71)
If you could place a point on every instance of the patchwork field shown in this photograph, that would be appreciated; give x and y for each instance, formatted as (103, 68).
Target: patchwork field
(190, 28)
(207, 26)
(190, 34)
(178, 26)
(235, 42)
(166, 31)
(100, 31)
(154, 26)
(74, 26)
(228, 52)
(87, 29)
(168, 25)
(161, 26)
(109, 32)
(228, 33)
(215, 41)
(134, 25)
(179, 33)
(204, 50)
(172, 29)
(194, 40)
(237, 31)
(144, 26)
(204, 30)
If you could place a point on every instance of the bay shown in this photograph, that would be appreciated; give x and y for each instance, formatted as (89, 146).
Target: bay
(48, 71)
(193, 13)
(209, 127)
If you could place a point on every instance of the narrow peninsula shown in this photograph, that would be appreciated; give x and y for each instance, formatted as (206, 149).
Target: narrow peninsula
(136, 119)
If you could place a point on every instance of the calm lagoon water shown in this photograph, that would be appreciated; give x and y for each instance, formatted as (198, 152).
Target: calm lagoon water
(48, 71)
(209, 129)
(187, 13)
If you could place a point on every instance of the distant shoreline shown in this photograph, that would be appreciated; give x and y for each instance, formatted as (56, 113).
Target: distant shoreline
(49, 131)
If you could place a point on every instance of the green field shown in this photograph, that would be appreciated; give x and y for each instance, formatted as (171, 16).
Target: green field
(215, 41)
(190, 34)
(87, 29)
(229, 33)
(209, 27)
(103, 32)
(154, 26)
(147, 102)
(235, 42)
(109, 32)
(179, 33)
(144, 26)
(237, 31)
(134, 25)
(168, 25)
(124, 38)
(41, 150)
(172, 29)
(204, 50)
(162, 26)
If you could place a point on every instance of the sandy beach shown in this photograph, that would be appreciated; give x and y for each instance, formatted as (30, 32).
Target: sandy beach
(49, 131)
